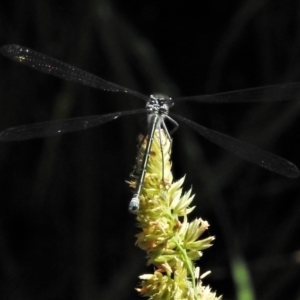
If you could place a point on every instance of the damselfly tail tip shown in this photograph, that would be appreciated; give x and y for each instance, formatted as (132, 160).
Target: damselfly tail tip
(134, 204)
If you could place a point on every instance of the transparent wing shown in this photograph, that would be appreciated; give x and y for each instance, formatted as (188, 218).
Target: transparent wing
(62, 70)
(279, 92)
(246, 151)
(45, 129)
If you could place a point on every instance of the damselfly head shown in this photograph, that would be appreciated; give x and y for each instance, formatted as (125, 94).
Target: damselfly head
(159, 104)
(162, 99)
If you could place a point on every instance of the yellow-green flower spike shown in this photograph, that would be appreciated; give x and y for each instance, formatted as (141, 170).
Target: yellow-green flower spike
(171, 243)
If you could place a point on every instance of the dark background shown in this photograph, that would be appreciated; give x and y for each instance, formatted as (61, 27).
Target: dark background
(65, 232)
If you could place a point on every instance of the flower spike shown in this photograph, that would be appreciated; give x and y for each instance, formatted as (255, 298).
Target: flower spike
(171, 243)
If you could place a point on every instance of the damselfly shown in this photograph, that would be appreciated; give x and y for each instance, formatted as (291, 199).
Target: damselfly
(157, 109)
